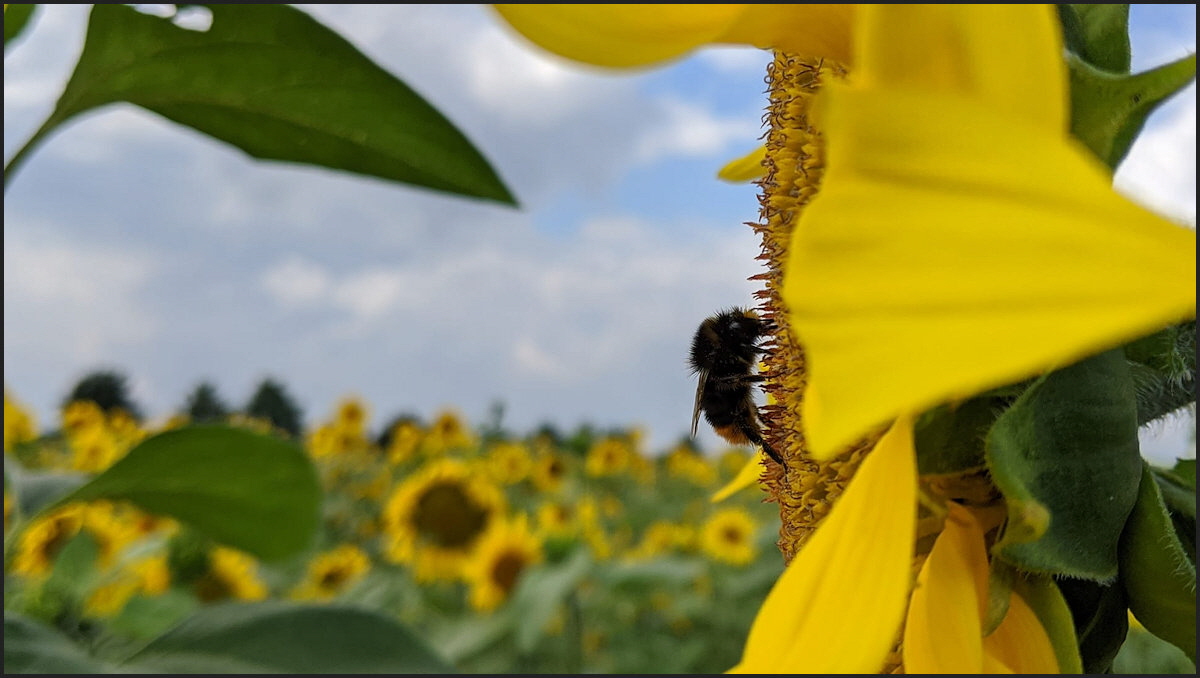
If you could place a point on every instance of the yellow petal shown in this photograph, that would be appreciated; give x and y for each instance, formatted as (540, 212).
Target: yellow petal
(638, 35)
(943, 632)
(838, 605)
(1020, 643)
(620, 35)
(810, 31)
(746, 168)
(745, 478)
(954, 247)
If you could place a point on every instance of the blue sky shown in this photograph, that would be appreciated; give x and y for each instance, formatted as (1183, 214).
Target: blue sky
(136, 244)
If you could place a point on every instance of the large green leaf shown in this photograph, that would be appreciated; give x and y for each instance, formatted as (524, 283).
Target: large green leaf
(249, 490)
(277, 84)
(1065, 456)
(31, 647)
(1159, 578)
(279, 637)
(540, 593)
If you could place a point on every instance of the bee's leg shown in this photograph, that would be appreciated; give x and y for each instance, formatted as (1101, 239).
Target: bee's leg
(735, 380)
(755, 437)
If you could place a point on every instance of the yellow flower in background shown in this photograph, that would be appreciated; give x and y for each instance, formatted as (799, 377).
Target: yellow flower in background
(352, 415)
(81, 415)
(555, 519)
(19, 423)
(504, 553)
(608, 456)
(435, 518)
(509, 462)
(42, 539)
(332, 572)
(148, 576)
(231, 574)
(447, 433)
(93, 449)
(549, 472)
(729, 536)
(404, 442)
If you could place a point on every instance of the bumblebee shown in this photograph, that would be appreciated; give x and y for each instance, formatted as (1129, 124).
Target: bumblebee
(724, 352)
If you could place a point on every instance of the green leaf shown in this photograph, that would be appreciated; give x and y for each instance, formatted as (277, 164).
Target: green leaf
(1164, 370)
(1101, 620)
(1185, 470)
(1108, 110)
(30, 647)
(1048, 603)
(16, 18)
(249, 490)
(279, 637)
(1065, 456)
(949, 439)
(1103, 36)
(277, 84)
(539, 593)
(1159, 579)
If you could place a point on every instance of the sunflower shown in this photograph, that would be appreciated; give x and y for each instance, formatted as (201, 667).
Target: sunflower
(404, 442)
(332, 572)
(506, 551)
(728, 536)
(42, 539)
(149, 576)
(436, 517)
(509, 462)
(93, 449)
(231, 574)
(608, 456)
(549, 471)
(447, 433)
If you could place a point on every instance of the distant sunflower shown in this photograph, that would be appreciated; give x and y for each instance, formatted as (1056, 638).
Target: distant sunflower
(332, 572)
(405, 440)
(19, 422)
(608, 456)
(447, 433)
(503, 554)
(548, 472)
(728, 536)
(231, 574)
(93, 449)
(42, 539)
(436, 517)
(509, 462)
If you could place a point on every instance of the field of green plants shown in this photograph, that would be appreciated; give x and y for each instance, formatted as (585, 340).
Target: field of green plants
(490, 551)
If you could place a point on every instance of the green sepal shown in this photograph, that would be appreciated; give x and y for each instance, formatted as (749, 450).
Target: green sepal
(1101, 619)
(1158, 577)
(1065, 457)
(1098, 34)
(1164, 370)
(1001, 577)
(1109, 109)
(277, 84)
(1047, 602)
(16, 19)
(1179, 497)
(950, 438)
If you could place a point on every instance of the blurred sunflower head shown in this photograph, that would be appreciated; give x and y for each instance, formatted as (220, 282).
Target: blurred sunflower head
(504, 553)
(351, 416)
(403, 442)
(81, 415)
(608, 456)
(549, 471)
(509, 462)
(93, 449)
(231, 574)
(435, 518)
(447, 433)
(332, 572)
(19, 423)
(728, 536)
(43, 538)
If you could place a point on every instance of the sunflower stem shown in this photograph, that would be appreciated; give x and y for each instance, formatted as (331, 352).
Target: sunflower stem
(574, 634)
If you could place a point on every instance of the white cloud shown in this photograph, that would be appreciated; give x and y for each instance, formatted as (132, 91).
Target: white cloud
(296, 282)
(1160, 170)
(686, 129)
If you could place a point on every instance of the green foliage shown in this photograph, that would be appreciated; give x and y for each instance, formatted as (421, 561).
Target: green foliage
(1101, 617)
(279, 637)
(249, 490)
(1163, 365)
(1065, 455)
(1158, 576)
(204, 405)
(273, 403)
(31, 647)
(1098, 34)
(109, 389)
(277, 84)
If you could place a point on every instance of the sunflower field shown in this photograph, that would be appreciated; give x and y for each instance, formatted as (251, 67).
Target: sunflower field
(489, 552)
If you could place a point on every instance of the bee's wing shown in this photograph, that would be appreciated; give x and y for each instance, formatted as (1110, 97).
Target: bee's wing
(699, 393)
